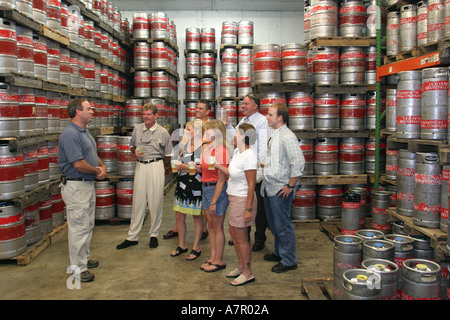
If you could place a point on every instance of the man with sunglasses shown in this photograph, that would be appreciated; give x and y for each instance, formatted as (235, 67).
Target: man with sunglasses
(151, 144)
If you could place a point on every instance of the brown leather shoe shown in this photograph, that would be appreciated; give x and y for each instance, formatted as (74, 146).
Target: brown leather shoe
(257, 246)
(171, 234)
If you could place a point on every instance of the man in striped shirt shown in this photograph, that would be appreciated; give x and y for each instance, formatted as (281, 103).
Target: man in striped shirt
(283, 166)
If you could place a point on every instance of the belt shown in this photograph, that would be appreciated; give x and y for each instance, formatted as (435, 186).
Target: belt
(149, 161)
(207, 184)
(78, 179)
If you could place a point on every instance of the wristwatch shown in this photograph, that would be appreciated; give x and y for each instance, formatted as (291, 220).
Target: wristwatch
(249, 209)
(287, 185)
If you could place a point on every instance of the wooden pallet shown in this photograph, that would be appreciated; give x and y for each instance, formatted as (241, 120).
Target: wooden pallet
(436, 235)
(333, 179)
(318, 288)
(35, 249)
(342, 42)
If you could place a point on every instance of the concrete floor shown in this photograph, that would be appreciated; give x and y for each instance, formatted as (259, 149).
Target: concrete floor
(140, 273)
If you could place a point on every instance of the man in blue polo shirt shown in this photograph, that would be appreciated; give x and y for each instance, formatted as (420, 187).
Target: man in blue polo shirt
(79, 165)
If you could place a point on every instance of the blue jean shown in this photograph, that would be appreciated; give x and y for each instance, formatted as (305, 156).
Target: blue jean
(278, 212)
(222, 202)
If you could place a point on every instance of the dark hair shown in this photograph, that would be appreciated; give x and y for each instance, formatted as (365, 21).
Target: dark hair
(75, 105)
(254, 98)
(249, 133)
(282, 110)
(206, 103)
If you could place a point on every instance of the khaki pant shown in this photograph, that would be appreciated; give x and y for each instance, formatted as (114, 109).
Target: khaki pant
(79, 197)
(148, 189)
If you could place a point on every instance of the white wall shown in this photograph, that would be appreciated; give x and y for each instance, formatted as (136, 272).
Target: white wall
(278, 27)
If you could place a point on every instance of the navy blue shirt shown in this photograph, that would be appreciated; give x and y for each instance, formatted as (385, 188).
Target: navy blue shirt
(76, 143)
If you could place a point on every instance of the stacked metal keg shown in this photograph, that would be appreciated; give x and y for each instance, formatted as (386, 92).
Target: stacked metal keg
(200, 77)
(402, 273)
(155, 63)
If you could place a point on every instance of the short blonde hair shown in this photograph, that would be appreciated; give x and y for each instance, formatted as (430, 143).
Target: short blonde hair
(150, 106)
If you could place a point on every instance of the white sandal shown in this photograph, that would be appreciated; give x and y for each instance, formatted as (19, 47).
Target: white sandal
(234, 273)
(241, 280)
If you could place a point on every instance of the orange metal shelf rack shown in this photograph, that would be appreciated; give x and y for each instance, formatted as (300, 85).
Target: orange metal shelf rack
(414, 63)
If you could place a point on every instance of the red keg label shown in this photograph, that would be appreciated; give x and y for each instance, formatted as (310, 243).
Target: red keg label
(393, 26)
(434, 124)
(382, 211)
(25, 53)
(330, 191)
(435, 7)
(351, 147)
(408, 196)
(330, 111)
(391, 167)
(104, 191)
(9, 111)
(329, 201)
(351, 157)
(351, 205)
(409, 94)
(378, 226)
(105, 201)
(353, 102)
(7, 161)
(304, 202)
(333, 102)
(392, 152)
(267, 54)
(293, 53)
(107, 154)
(428, 179)
(13, 232)
(415, 120)
(318, 8)
(406, 296)
(348, 232)
(423, 207)
(126, 157)
(434, 85)
(359, 113)
(267, 65)
(408, 20)
(57, 207)
(124, 201)
(326, 148)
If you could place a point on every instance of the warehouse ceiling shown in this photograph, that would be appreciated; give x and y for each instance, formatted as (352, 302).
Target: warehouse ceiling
(209, 5)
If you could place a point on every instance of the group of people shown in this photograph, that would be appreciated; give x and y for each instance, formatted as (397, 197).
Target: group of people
(249, 173)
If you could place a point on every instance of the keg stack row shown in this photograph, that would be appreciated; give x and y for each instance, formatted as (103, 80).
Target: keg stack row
(417, 24)
(24, 170)
(154, 61)
(346, 18)
(371, 265)
(200, 77)
(422, 187)
(114, 199)
(418, 107)
(235, 75)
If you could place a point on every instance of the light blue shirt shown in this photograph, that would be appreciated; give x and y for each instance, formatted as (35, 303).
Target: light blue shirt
(284, 160)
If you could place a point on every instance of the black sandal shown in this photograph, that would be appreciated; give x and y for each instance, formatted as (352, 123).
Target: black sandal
(179, 251)
(194, 253)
